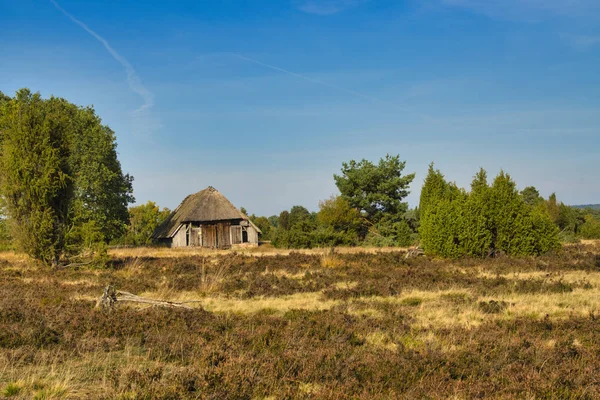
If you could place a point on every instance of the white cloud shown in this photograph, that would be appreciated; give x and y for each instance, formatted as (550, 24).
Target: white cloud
(327, 7)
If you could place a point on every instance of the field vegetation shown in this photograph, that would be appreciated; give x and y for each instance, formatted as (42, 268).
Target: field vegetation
(313, 324)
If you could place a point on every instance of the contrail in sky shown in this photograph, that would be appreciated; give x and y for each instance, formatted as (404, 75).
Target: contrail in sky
(338, 88)
(318, 82)
(135, 84)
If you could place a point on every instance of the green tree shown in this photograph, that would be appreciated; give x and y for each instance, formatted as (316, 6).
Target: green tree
(590, 228)
(36, 177)
(297, 215)
(62, 182)
(476, 234)
(439, 211)
(375, 190)
(143, 220)
(284, 220)
(485, 221)
(5, 237)
(531, 196)
(338, 222)
(3, 98)
(102, 191)
(264, 225)
(552, 207)
(274, 221)
(337, 213)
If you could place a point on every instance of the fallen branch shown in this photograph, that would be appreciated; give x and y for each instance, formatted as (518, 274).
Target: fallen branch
(80, 264)
(414, 252)
(111, 296)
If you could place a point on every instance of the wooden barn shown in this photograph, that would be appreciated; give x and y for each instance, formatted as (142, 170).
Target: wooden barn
(207, 219)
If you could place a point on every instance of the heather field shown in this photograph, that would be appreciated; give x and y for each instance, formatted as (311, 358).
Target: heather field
(264, 324)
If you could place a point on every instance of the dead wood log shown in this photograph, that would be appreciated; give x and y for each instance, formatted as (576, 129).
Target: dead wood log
(111, 296)
(414, 252)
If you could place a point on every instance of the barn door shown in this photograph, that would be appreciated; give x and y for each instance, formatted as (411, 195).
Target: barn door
(223, 235)
(195, 237)
(209, 236)
(236, 234)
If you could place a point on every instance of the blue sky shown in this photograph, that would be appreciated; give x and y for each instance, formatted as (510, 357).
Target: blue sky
(265, 99)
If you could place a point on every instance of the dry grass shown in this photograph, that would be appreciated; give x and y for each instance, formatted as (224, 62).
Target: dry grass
(220, 304)
(263, 250)
(306, 325)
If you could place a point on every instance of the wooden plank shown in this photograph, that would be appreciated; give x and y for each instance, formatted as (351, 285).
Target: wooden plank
(252, 235)
(179, 238)
(195, 237)
(209, 236)
(223, 235)
(236, 234)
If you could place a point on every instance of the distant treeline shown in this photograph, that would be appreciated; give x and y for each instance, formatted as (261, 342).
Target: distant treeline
(64, 196)
(449, 221)
(588, 206)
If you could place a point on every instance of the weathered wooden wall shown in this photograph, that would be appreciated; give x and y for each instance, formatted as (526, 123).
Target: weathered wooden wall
(209, 236)
(219, 235)
(236, 234)
(179, 240)
(195, 237)
(252, 235)
(223, 235)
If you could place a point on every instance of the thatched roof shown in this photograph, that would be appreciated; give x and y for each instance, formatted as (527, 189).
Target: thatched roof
(208, 205)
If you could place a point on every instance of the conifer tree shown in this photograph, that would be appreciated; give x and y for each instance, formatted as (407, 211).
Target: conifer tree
(61, 181)
(476, 228)
(36, 180)
(485, 221)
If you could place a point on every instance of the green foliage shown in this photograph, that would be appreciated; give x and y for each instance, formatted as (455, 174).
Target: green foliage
(485, 221)
(284, 220)
(553, 208)
(337, 213)
(60, 176)
(330, 227)
(590, 228)
(264, 225)
(14, 388)
(387, 233)
(37, 180)
(369, 210)
(440, 210)
(102, 191)
(569, 220)
(434, 189)
(476, 230)
(5, 237)
(375, 190)
(588, 207)
(297, 215)
(274, 221)
(3, 98)
(143, 220)
(531, 196)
